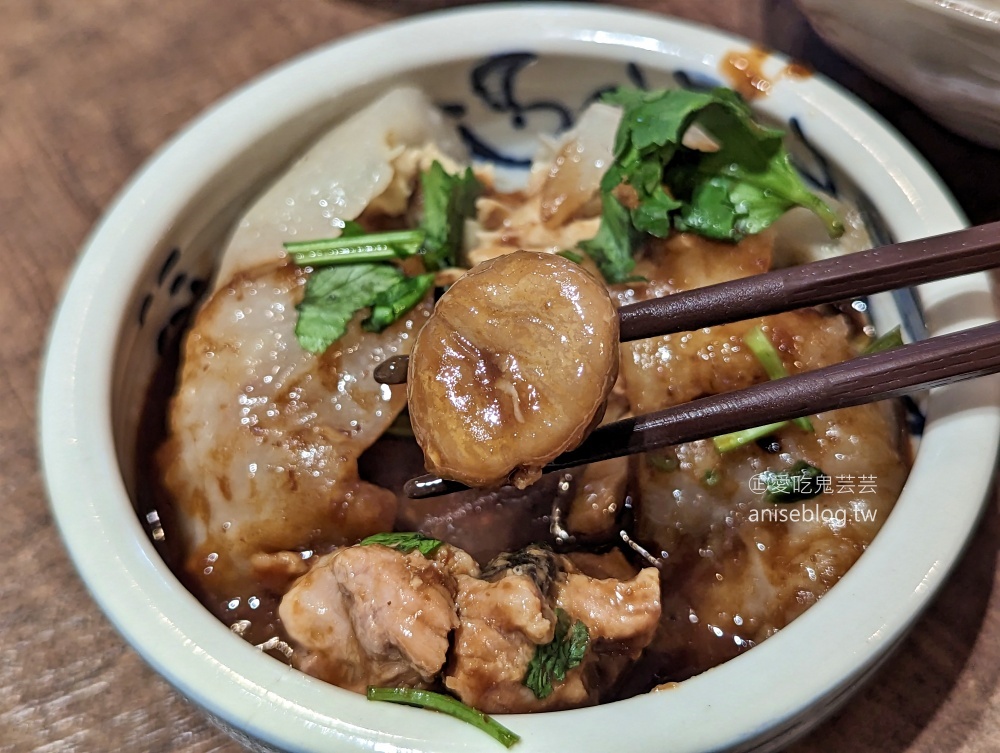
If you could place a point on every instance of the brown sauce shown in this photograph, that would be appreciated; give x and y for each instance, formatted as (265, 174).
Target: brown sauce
(744, 71)
(483, 524)
(257, 615)
(388, 463)
(797, 70)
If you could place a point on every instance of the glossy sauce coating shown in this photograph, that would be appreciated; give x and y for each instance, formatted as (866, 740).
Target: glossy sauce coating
(262, 464)
(736, 567)
(264, 437)
(512, 369)
(744, 70)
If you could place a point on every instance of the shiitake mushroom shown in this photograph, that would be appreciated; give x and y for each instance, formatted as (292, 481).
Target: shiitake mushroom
(512, 369)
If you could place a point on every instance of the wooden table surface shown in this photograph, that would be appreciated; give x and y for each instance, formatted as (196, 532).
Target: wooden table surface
(87, 91)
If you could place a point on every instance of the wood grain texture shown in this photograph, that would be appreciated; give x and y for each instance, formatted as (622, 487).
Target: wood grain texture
(89, 91)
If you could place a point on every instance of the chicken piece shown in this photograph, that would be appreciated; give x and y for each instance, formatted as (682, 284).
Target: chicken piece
(502, 623)
(601, 605)
(264, 437)
(612, 564)
(513, 369)
(622, 618)
(370, 615)
(506, 616)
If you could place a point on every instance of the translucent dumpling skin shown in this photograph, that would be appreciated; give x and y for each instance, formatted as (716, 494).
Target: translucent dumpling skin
(368, 163)
(264, 437)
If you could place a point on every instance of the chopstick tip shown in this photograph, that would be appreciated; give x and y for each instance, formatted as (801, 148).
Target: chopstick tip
(430, 485)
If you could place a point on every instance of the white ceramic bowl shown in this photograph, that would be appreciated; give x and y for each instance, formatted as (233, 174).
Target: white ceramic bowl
(942, 54)
(136, 274)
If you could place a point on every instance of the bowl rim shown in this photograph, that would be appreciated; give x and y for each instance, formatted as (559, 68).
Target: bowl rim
(916, 548)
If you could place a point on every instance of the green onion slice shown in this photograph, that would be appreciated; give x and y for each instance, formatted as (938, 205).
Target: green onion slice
(350, 249)
(891, 339)
(765, 352)
(735, 440)
(800, 482)
(665, 461)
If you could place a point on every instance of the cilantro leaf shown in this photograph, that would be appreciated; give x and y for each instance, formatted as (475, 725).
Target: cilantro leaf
(404, 542)
(448, 200)
(391, 304)
(652, 216)
(656, 118)
(445, 704)
(613, 247)
(739, 188)
(333, 295)
(754, 168)
(709, 211)
(553, 660)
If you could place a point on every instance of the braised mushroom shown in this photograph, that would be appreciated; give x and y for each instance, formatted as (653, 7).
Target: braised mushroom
(512, 369)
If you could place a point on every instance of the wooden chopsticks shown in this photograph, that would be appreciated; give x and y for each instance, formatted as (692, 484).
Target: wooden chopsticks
(930, 363)
(886, 268)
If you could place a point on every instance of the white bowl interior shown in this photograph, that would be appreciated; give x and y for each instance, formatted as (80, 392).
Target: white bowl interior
(144, 266)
